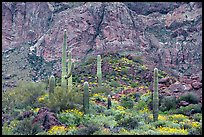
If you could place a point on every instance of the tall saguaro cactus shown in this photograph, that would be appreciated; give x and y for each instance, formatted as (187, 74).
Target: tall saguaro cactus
(69, 70)
(51, 84)
(63, 80)
(99, 73)
(86, 98)
(155, 96)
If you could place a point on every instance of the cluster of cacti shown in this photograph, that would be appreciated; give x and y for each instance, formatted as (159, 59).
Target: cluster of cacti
(109, 101)
(99, 73)
(51, 84)
(155, 96)
(63, 80)
(86, 98)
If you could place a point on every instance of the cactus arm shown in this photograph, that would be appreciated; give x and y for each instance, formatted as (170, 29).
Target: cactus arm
(70, 73)
(155, 96)
(63, 80)
(70, 70)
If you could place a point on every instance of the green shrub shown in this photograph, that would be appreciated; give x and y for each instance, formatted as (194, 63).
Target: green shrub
(25, 94)
(124, 71)
(130, 122)
(114, 83)
(188, 109)
(134, 84)
(101, 89)
(197, 117)
(71, 117)
(127, 102)
(167, 103)
(7, 130)
(190, 97)
(25, 127)
(62, 100)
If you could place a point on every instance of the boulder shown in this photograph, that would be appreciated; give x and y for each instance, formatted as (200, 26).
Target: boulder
(196, 85)
(46, 118)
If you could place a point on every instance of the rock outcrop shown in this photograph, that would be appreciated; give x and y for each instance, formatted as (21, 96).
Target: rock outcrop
(168, 35)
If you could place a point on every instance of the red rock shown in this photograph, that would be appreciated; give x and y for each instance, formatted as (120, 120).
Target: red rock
(183, 103)
(196, 85)
(176, 87)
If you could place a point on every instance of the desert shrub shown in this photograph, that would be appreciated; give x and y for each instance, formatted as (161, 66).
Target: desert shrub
(25, 127)
(61, 100)
(94, 123)
(124, 71)
(70, 117)
(196, 128)
(114, 83)
(187, 110)
(129, 121)
(134, 84)
(88, 130)
(127, 102)
(25, 94)
(95, 109)
(90, 60)
(189, 97)
(137, 59)
(197, 117)
(145, 101)
(7, 130)
(167, 103)
(101, 89)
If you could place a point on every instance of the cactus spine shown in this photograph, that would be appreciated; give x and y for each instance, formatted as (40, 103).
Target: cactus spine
(109, 101)
(63, 80)
(99, 73)
(51, 84)
(155, 96)
(86, 98)
(69, 70)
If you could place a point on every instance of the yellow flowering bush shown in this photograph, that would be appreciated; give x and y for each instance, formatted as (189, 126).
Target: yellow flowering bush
(178, 118)
(145, 110)
(57, 130)
(160, 117)
(74, 111)
(196, 125)
(43, 97)
(36, 110)
(171, 131)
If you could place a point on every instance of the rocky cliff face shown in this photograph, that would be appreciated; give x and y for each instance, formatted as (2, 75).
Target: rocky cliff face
(167, 35)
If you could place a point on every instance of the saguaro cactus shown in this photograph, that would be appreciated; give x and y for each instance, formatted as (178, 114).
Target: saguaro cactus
(155, 96)
(51, 84)
(86, 98)
(69, 70)
(109, 101)
(99, 73)
(63, 80)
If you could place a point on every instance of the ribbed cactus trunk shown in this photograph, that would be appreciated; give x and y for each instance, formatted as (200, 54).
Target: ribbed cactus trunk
(99, 73)
(86, 98)
(155, 96)
(63, 80)
(51, 84)
(69, 70)
(109, 101)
